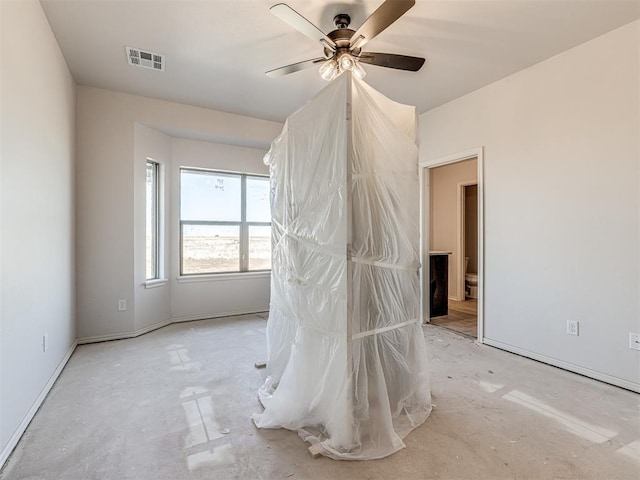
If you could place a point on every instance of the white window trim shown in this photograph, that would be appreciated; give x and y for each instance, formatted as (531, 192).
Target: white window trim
(156, 282)
(160, 223)
(217, 277)
(243, 228)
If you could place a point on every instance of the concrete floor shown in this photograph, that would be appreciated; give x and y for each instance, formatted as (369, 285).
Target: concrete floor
(175, 404)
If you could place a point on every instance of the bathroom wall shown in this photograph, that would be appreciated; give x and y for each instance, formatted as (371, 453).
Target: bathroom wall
(471, 227)
(443, 207)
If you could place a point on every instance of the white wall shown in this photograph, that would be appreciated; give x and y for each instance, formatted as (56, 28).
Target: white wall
(224, 294)
(192, 297)
(110, 209)
(36, 213)
(562, 210)
(152, 305)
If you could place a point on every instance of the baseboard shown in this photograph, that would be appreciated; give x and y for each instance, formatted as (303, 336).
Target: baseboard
(164, 323)
(124, 335)
(587, 372)
(15, 438)
(234, 313)
(151, 328)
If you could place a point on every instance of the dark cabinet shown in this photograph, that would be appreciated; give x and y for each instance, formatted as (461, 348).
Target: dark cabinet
(439, 267)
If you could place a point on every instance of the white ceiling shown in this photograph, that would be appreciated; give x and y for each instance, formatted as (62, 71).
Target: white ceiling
(217, 51)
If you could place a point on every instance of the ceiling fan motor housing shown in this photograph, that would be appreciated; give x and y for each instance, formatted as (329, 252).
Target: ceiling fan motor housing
(341, 37)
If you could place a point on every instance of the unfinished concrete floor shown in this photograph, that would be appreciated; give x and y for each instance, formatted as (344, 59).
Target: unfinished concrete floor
(175, 404)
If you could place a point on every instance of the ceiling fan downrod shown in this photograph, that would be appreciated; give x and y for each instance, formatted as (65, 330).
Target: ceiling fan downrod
(342, 20)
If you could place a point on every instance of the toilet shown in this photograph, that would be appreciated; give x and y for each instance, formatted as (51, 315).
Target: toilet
(470, 282)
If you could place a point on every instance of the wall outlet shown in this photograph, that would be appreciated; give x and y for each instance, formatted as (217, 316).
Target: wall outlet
(572, 327)
(634, 340)
(122, 305)
(45, 342)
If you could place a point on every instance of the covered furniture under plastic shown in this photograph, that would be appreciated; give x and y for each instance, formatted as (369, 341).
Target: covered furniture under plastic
(347, 362)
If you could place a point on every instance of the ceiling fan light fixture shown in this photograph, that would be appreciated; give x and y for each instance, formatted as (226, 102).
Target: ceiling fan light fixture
(336, 66)
(346, 62)
(329, 70)
(358, 71)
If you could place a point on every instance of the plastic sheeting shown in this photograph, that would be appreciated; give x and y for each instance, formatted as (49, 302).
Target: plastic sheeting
(347, 362)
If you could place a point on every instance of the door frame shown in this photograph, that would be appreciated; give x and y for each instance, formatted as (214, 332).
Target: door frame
(425, 273)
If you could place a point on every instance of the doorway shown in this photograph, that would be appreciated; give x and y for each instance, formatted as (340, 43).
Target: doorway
(452, 223)
(462, 315)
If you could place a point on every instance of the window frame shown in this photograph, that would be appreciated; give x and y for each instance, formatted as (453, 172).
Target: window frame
(156, 221)
(243, 225)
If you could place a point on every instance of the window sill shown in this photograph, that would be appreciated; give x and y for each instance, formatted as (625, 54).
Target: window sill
(217, 277)
(155, 283)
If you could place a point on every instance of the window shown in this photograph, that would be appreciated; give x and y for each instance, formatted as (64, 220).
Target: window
(152, 220)
(225, 222)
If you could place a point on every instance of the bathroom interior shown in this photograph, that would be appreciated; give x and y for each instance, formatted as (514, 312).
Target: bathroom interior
(453, 230)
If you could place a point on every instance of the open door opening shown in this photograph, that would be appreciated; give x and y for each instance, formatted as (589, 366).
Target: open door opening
(452, 244)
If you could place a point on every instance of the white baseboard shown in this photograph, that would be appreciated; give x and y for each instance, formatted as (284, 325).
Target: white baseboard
(234, 313)
(587, 372)
(124, 335)
(164, 323)
(15, 438)
(151, 328)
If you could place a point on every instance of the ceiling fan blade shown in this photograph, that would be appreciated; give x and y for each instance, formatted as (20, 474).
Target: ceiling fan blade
(385, 15)
(391, 60)
(289, 15)
(294, 67)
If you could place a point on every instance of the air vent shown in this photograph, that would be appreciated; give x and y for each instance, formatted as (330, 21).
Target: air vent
(141, 58)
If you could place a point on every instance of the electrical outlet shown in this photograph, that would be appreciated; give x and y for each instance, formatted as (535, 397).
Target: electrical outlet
(572, 327)
(45, 342)
(122, 305)
(634, 340)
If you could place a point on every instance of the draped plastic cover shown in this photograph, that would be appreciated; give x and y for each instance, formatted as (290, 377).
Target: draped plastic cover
(347, 362)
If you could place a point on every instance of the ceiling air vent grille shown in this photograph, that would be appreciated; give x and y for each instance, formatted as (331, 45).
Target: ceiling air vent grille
(141, 58)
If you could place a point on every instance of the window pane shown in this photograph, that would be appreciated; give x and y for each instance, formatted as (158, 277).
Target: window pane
(258, 206)
(259, 248)
(152, 221)
(210, 196)
(210, 249)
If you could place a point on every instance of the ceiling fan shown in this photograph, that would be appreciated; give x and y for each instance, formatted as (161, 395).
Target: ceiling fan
(343, 46)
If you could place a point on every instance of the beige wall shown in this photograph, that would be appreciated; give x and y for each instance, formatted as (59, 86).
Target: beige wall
(36, 215)
(444, 217)
(471, 227)
(561, 200)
